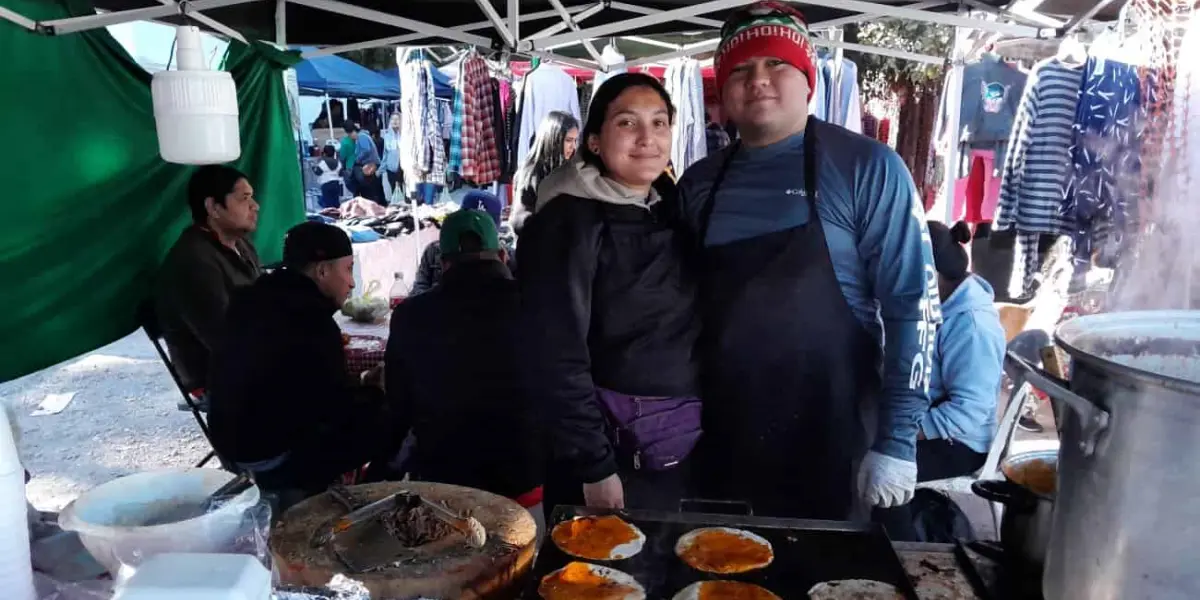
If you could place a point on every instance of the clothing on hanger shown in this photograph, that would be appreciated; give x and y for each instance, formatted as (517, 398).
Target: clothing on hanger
(991, 94)
(546, 88)
(849, 109)
(611, 56)
(685, 85)
(422, 154)
(1038, 165)
(478, 148)
(1102, 193)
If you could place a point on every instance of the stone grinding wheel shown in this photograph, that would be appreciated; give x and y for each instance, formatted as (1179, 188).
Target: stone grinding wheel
(447, 569)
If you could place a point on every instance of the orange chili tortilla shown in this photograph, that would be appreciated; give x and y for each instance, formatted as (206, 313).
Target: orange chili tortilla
(725, 590)
(723, 550)
(598, 538)
(582, 581)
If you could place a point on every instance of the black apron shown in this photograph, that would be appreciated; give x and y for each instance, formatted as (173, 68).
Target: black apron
(786, 364)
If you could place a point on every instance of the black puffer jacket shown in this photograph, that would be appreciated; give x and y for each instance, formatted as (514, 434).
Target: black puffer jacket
(279, 384)
(453, 376)
(609, 303)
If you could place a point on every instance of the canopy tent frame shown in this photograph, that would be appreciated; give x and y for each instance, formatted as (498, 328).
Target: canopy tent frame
(1020, 19)
(569, 32)
(400, 40)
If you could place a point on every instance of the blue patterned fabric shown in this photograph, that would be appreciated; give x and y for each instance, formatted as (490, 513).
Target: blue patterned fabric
(1106, 157)
(456, 128)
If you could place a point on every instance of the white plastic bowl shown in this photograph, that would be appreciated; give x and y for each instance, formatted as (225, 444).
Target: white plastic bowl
(108, 518)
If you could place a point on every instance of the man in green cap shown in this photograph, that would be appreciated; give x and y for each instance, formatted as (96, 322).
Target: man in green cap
(453, 370)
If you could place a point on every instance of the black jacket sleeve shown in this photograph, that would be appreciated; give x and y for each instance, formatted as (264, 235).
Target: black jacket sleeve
(397, 376)
(558, 256)
(430, 269)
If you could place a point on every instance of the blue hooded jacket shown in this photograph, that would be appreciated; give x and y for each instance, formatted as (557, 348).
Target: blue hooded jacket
(968, 360)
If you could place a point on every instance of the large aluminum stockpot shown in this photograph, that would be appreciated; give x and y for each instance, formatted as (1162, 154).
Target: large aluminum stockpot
(1127, 515)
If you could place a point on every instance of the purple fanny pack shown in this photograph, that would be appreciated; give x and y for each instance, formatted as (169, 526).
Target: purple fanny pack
(656, 433)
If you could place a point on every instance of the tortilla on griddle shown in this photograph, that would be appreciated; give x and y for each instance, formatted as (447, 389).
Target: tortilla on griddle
(723, 550)
(854, 589)
(725, 590)
(583, 581)
(598, 538)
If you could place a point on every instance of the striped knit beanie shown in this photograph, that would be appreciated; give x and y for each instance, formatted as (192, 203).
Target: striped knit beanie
(762, 29)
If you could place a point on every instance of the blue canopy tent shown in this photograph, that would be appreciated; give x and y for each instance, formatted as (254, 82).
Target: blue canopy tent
(442, 87)
(341, 78)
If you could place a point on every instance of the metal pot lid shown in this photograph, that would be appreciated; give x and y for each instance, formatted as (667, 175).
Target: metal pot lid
(1160, 347)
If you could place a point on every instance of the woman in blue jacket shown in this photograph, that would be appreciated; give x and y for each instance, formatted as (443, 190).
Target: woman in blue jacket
(968, 360)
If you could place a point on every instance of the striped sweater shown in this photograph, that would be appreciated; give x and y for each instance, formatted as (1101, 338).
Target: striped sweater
(1038, 165)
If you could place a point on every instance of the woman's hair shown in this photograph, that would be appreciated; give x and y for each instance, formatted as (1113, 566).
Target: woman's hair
(329, 151)
(609, 91)
(546, 151)
(949, 256)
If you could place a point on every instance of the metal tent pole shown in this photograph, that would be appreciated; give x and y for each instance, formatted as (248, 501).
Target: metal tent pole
(328, 117)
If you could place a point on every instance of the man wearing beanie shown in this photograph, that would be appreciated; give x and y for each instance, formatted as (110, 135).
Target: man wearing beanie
(820, 296)
(284, 406)
(454, 370)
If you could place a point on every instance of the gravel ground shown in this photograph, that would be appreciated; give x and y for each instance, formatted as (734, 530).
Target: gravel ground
(121, 420)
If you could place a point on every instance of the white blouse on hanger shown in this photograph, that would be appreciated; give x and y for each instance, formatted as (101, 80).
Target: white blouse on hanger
(547, 88)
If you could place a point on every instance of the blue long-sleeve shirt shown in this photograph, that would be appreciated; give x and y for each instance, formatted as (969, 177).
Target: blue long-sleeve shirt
(391, 150)
(968, 360)
(875, 229)
(365, 151)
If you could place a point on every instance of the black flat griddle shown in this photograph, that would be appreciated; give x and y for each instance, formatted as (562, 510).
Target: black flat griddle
(806, 553)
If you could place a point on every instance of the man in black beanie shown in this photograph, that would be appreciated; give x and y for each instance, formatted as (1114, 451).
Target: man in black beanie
(284, 406)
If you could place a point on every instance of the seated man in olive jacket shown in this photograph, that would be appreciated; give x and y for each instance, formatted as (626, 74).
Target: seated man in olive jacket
(211, 258)
(284, 406)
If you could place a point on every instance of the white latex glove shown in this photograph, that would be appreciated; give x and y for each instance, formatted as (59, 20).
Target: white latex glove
(885, 481)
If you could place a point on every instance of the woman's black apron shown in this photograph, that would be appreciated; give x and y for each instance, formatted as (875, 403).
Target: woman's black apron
(785, 367)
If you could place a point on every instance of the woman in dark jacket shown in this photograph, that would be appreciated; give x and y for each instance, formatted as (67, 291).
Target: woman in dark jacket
(611, 309)
(555, 144)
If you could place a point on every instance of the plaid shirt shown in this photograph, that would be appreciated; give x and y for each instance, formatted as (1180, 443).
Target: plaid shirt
(433, 133)
(480, 153)
(456, 126)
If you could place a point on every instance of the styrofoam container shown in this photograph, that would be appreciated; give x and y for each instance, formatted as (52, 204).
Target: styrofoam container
(110, 518)
(198, 577)
(16, 570)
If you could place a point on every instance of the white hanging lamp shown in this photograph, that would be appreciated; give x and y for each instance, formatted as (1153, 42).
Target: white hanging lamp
(195, 109)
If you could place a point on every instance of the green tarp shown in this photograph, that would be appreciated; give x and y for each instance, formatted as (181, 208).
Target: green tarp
(89, 208)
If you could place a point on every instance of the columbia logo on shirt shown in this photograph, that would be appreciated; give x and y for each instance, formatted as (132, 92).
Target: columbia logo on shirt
(795, 192)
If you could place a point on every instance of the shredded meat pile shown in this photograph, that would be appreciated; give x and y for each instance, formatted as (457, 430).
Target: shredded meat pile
(415, 526)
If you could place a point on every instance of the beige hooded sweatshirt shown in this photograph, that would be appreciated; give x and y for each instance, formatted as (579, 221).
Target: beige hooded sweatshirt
(582, 180)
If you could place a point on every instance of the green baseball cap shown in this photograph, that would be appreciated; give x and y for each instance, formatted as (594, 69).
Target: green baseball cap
(473, 221)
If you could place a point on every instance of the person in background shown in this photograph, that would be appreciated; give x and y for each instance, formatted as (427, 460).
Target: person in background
(968, 361)
(610, 310)
(453, 375)
(555, 143)
(429, 271)
(211, 258)
(366, 169)
(284, 407)
(714, 135)
(819, 301)
(328, 171)
(391, 156)
(347, 152)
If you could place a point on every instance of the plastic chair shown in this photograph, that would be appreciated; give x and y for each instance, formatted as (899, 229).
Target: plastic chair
(150, 324)
(1027, 345)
